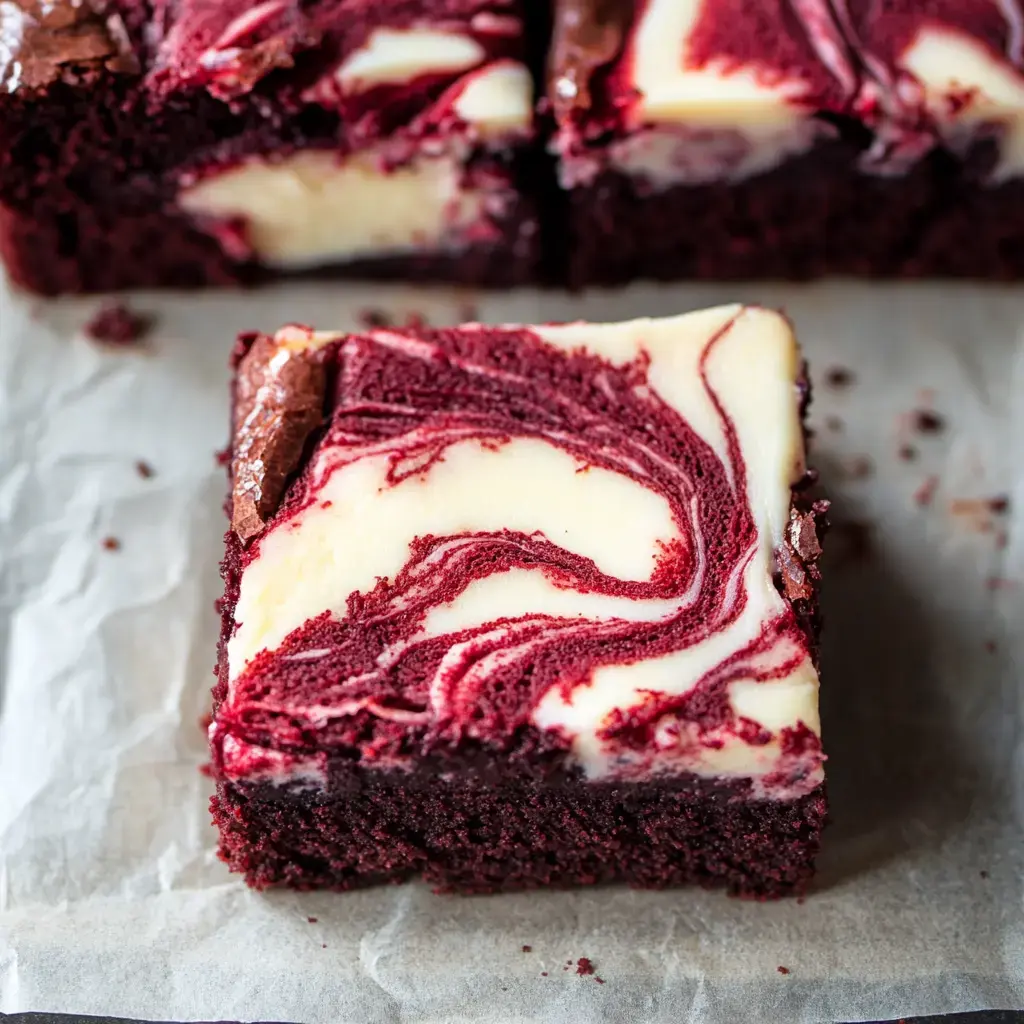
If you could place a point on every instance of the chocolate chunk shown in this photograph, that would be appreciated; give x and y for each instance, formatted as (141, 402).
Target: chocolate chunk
(39, 39)
(588, 34)
(278, 402)
(796, 556)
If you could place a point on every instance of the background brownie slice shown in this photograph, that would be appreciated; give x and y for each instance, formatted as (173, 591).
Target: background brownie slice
(216, 142)
(756, 138)
(521, 606)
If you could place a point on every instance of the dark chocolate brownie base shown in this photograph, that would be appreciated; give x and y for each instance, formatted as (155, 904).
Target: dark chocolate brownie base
(469, 836)
(815, 215)
(60, 249)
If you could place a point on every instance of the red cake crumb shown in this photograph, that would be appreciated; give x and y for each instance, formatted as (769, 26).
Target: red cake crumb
(205, 721)
(990, 646)
(927, 422)
(598, 979)
(543, 974)
(999, 505)
(111, 544)
(782, 970)
(145, 470)
(584, 965)
(323, 945)
(1000, 583)
(116, 324)
(926, 492)
(468, 313)
(527, 949)
(839, 377)
(311, 920)
(907, 452)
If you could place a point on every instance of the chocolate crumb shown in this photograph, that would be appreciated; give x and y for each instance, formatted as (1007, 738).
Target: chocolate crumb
(907, 452)
(145, 470)
(584, 965)
(926, 492)
(375, 318)
(527, 949)
(311, 920)
(111, 544)
(782, 970)
(927, 422)
(114, 323)
(834, 423)
(839, 377)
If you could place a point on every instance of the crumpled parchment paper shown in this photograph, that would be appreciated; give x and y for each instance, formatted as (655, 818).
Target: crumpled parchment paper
(112, 900)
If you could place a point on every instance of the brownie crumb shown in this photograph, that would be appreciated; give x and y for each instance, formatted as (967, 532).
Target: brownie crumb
(527, 949)
(839, 377)
(782, 970)
(907, 452)
(927, 422)
(145, 470)
(860, 467)
(375, 318)
(584, 965)
(311, 920)
(111, 544)
(924, 495)
(116, 324)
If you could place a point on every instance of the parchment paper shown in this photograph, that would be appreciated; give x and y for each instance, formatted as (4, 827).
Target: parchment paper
(111, 898)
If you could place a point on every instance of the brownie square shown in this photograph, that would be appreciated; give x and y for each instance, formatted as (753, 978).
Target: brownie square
(760, 138)
(510, 607)
(192, 142)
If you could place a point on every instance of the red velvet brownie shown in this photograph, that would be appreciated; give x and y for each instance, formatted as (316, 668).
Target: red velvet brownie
(520, 606)
(753, 138)
(189, 142)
